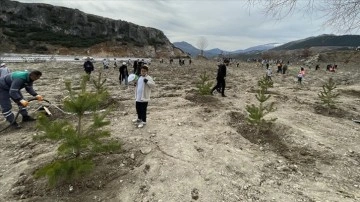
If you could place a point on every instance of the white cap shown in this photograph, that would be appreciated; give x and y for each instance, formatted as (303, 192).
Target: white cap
(124, 63)
(2, 65)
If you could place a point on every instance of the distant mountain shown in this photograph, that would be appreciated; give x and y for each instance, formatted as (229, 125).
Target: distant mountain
(187, 48)
(262, 47)
(322, 40)
(213, 52)
(190, 49)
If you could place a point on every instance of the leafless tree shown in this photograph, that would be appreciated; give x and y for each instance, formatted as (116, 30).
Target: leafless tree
(306, 53)
(342, 15)
(202, 43)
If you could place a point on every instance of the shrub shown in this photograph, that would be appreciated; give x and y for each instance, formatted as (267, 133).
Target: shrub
(204, 85)
(79, 142)
(327, 96)
(99, 85)
(265, 83)
(257, 113)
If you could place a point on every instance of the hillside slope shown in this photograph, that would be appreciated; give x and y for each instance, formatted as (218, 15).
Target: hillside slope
(43, 28)
(322, 41)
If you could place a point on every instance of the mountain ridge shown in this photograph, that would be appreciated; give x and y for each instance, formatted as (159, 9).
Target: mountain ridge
(324, 40)
(193, 51)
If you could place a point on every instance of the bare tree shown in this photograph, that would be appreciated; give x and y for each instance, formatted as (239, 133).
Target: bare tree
(202, 43)
(306, 52)
(342, 15)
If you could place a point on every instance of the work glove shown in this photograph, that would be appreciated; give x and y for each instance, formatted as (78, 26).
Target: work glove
(24, 103)
(39, 98)
(145, 80)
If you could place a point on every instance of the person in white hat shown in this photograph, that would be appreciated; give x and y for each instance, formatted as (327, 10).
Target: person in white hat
(4, 70)
(124, 74)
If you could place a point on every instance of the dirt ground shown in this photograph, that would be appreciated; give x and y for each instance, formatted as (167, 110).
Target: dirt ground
(200, 148)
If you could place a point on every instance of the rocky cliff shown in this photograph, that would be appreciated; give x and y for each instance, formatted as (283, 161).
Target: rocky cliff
(43, 28)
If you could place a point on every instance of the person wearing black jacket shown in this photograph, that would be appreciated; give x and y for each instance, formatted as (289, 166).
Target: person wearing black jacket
(88, 66)
(123, 73)
(220, 78)
(139, 66)
(135, 66)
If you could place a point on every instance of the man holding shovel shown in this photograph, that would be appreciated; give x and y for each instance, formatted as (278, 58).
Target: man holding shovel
(10, 87)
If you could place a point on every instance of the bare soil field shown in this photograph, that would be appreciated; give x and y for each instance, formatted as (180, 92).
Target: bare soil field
(200, 148)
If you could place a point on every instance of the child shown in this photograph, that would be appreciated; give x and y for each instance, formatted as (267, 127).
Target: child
(301, 75)
(142, 95)
(268, 73)
(115, 64)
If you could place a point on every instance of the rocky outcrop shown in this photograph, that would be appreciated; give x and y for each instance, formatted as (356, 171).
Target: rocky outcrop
(43, 28)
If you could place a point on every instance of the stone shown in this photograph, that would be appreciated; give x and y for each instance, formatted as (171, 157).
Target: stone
(195, 194)
(145, 150)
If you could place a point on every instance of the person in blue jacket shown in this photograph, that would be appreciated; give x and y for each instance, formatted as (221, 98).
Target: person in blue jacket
(10, 87)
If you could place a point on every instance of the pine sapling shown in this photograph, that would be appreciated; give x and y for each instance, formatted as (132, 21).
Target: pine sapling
(257, 113)
(327, 96)
(265, 83)
(204, 85)
(99, 84)
(78, 141)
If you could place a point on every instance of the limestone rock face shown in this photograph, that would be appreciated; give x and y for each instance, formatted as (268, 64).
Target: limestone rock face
(43, 28)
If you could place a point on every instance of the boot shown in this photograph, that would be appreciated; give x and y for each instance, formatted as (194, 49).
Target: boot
(212, 91)
(15, 125)
(27, 119)
(223, 95)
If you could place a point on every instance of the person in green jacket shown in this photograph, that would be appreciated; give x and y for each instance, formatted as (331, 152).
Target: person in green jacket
(10, 87)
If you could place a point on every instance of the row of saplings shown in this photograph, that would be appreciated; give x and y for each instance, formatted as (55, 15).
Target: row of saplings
(79, 144)
(256, 113)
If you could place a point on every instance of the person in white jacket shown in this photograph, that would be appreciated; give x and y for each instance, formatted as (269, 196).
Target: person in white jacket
(4, 70)
(268, 73)
(144, 84)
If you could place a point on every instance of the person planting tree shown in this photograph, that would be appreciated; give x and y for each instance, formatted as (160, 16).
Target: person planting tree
(10, 87)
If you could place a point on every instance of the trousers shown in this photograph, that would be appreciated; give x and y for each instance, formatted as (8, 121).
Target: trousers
(6, 106)
(141, 108)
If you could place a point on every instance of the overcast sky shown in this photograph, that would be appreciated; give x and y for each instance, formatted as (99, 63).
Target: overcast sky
(226, 24)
